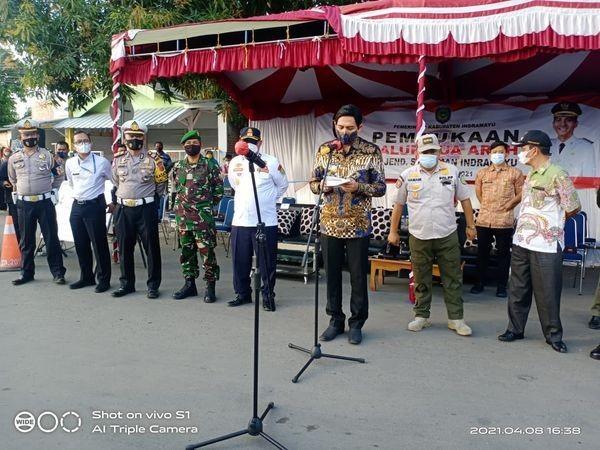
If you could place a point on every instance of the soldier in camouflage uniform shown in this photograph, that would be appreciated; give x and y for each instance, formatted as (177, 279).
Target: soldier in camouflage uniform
(198, 187)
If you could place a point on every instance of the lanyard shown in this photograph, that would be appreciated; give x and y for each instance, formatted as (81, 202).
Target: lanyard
(87, 170)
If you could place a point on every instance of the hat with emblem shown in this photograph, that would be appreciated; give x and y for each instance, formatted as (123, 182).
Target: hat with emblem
(193, 134)
(134, 127)
(534, 137)
(568, 109)
(27, 125)
(250, 134)
(427, 142)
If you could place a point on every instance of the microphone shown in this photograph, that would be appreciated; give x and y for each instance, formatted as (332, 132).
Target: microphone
(242, 148)
(327, 147)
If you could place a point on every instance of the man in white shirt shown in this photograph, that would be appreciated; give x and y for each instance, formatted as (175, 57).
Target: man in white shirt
(86, 174)
(574, 154)
(271, 183)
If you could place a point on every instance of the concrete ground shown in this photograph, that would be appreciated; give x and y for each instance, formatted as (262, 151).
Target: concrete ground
(64, 350)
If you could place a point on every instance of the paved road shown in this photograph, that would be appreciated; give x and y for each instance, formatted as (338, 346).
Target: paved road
(78, 351)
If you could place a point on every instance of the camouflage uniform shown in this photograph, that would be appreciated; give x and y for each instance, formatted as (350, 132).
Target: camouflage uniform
(197, 187)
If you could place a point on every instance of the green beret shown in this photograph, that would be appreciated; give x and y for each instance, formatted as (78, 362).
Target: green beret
(190, 135)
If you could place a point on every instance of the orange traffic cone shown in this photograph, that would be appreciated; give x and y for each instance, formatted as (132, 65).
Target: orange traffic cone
(10, 258)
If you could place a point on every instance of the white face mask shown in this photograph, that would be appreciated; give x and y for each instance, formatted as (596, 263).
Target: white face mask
(497, 158)
(523, 158)
(84, 147)
(253, 147)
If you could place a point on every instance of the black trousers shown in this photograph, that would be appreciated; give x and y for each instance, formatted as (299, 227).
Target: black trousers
(243, 246)
(334, 251)
(131, 222)
(484, 244)
(88, 223)
(539, 274)
(14, 213)
(30, 214)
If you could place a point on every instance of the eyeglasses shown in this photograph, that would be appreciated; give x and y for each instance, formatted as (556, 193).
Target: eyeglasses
(84, 141)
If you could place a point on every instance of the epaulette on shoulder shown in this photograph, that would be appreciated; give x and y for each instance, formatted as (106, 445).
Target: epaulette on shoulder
(119, 154)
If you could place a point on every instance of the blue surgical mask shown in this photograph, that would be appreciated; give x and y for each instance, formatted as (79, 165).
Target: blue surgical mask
(428, 161)
(497, 158)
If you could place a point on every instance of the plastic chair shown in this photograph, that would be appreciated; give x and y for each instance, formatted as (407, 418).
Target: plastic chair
(222, 209)
(225, 226)
(572, 254)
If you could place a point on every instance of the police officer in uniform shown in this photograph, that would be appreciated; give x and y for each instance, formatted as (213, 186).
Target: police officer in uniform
(271, 183)
(574, 154)
(32, 172)
(140, 178)
(87, 174)
(198, 187)
(430, 188)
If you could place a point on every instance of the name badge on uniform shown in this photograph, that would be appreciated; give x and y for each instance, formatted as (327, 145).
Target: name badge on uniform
(189, 176)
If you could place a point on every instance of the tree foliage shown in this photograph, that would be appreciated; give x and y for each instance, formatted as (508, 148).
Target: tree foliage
(65, 44)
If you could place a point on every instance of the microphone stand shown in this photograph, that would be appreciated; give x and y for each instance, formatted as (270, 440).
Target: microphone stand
(255, 426)
(315, 352)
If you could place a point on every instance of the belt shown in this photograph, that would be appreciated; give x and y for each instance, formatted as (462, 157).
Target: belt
(34, 198)
(134, 201)
(88, 202)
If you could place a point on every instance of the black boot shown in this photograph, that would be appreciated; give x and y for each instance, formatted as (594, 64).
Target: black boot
(188, 289)
(209, 292)
(269, 303)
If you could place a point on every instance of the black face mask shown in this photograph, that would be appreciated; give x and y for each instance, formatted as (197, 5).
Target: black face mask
(62, 155)
(347, 139)
(30, 142)
(135, 144)
(192, 150)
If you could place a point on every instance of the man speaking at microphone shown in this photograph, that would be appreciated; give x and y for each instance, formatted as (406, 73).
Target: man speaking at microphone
(271, 183)
(346, 217)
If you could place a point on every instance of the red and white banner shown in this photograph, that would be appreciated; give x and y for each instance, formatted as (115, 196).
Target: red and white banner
(466, 135)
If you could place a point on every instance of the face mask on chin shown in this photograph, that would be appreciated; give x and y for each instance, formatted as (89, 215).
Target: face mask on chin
(30, 142)
(135, 144)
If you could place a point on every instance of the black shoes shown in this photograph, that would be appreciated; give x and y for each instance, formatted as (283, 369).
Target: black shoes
(477, 288)
(188, 289)
(355, 336)
(558, 346)
(269, 304)
(102, 287)
(209, 292)
(122, 291)
(331, 333)
(509, 336)
(59, 279)
(239, 301)
(595, 354)
(594, 323)
(152, 293)
(81, 284)
(501, 292)
(22, 280)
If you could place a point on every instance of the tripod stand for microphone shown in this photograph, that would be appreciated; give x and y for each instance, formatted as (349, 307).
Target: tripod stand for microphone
(255, 426)
(315, 352)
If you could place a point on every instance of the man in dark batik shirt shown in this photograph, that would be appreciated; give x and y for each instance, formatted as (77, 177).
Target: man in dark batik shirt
(346, 218)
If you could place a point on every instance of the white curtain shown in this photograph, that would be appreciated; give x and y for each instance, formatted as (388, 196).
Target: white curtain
(292, 141)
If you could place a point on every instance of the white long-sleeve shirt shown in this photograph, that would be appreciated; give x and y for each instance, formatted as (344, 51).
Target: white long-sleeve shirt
(87, 176)
(269, 186)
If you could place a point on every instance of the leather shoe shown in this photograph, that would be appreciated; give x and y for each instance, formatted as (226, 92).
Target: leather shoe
(239, 301)
(594, 323)
(477, 288)
(595, 354)
(102, 287)
(558, 346)
(22, 280)
(152, 293)
(81, 284)
(60, 279)
(355, 336)
(501, 292)
(331, 333)
(122, 291)
(509, 336)
(269, 304)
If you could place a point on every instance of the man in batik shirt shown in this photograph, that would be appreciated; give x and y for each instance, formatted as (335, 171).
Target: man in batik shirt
(346, 218)
(549, 198)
